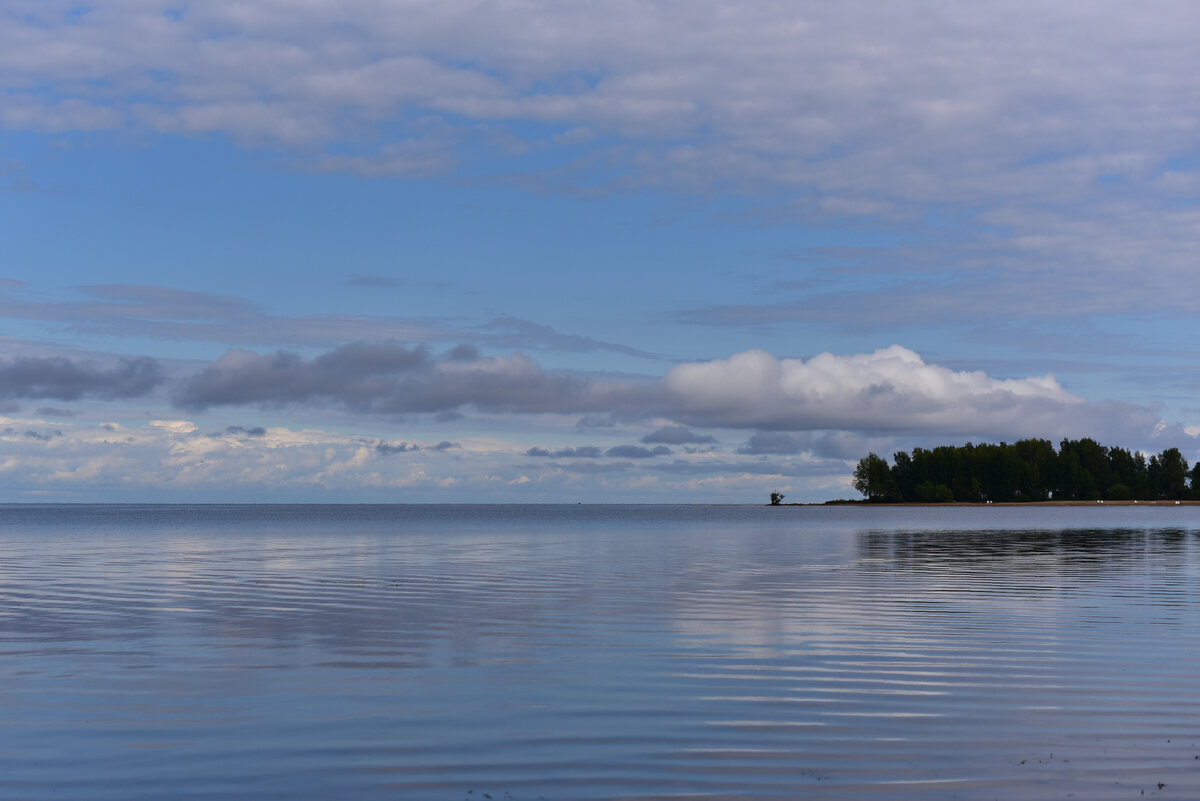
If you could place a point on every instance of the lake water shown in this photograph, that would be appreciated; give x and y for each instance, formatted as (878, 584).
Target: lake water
(598, 652)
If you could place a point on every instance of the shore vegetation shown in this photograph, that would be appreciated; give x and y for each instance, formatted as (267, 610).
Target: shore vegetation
(1029, 470)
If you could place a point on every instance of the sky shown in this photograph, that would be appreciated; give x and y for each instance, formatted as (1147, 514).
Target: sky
(597, 251)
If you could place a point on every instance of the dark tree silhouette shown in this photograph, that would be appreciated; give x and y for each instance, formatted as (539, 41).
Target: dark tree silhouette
(1028, 470)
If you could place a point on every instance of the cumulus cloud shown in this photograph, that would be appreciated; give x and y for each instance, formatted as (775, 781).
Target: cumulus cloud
(888, 390)
(60, 378)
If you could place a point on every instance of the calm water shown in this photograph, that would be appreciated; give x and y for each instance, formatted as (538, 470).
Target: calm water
(592, 652)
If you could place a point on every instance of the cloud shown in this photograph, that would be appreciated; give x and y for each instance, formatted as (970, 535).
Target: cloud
(1030, 146)
(872, 106)
(637, 451)
(130, 310)
(134, 310)
(173, 426)
(385, 378)
(409, 159)
(351, 373)
(512, 332)
(387, 448)
(60, 378)
(581, 452)
(677, 435)
(54, 411)
(776, 442)
(463, 353)
(888, 390)
(242, 431)
(888, 393)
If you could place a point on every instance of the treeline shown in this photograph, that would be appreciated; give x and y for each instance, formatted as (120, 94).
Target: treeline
(1029, 470)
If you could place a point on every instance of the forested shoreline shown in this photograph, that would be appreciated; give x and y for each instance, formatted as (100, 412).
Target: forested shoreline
(1029, 470)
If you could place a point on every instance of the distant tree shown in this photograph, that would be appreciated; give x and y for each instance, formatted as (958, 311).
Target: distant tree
(1028, 470)
(928, 492)
(873, 478)
(776, 498)
(1119, 492)
(1174, 474)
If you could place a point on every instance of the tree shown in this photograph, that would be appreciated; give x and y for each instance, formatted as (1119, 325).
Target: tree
(1027, 470)
(1174, 473)
(873, 478)
(776, 498)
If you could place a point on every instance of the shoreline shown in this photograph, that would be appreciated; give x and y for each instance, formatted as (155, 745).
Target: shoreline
(1002, 503)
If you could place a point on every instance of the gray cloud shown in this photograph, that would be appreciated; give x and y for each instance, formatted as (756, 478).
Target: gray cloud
(776, 442)
(782, 467)
(596, 421)
(637, 451)
(591, 467)
(511, 332)
(677, 435)
(463, 353)
(60, 378)
(388, 448)
(352, 373)
(54, 411)
(387, 378)
(242, 431)
(582, 452)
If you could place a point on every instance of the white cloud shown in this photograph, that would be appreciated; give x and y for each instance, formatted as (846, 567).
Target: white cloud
(174, 426)
(891, 390)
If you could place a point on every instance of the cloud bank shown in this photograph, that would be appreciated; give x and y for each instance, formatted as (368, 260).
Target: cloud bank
(892, 391)
(386, 378)
(64, 379)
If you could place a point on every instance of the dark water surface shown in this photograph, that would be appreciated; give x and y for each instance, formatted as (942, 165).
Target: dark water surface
(597, 652)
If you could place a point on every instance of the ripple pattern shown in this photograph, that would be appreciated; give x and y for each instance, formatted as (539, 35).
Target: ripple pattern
(597, 653)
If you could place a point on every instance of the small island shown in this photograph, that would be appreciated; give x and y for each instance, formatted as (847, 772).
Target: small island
(1028, 471)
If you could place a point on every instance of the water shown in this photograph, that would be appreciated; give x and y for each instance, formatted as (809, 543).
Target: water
(592, 652)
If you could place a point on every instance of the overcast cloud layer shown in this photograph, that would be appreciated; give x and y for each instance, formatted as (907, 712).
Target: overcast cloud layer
(655, 246)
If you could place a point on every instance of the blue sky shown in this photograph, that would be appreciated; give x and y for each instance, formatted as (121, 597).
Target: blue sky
(597, 251)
